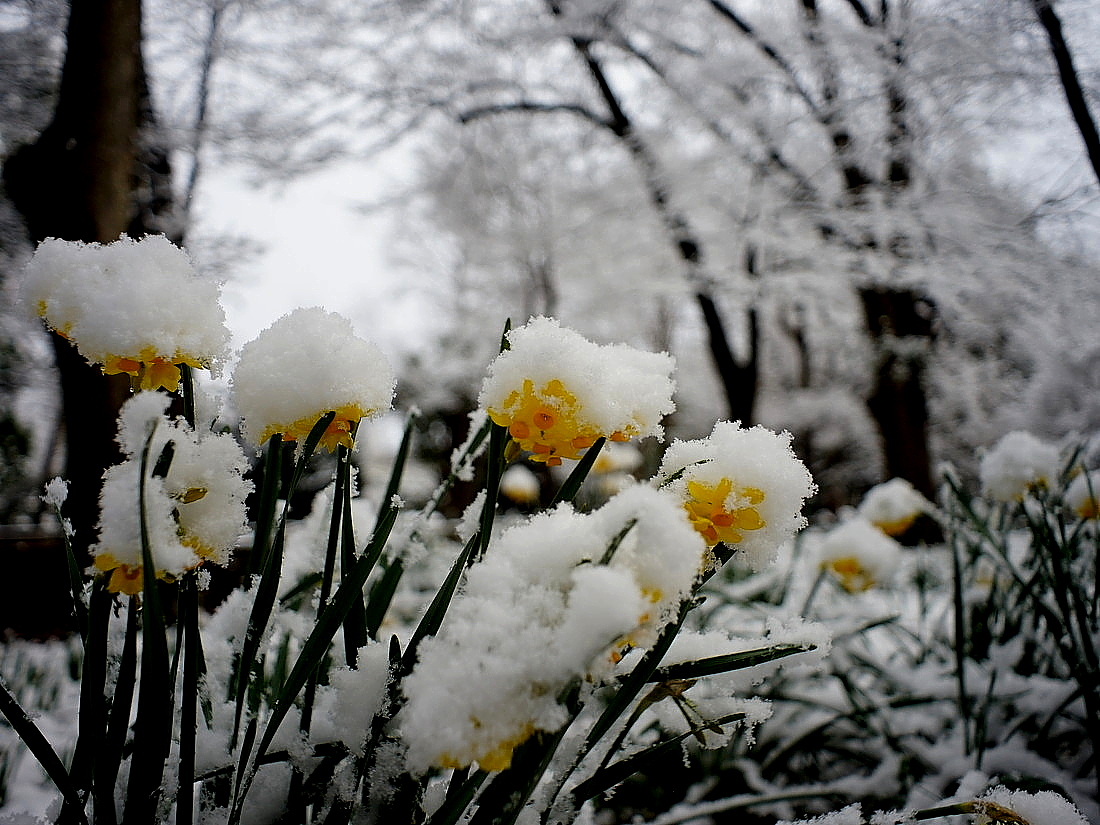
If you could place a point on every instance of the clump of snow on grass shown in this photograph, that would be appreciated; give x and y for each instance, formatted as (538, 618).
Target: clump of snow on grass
(893, 506)
(544, 607)
(1015, 464)
(308, 363)
(347, 705)
(127, 298)
(859, 555)
(850, 815)
(754, 459)
(1042, 808)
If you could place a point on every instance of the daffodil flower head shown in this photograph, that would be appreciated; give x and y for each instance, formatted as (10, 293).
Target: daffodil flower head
(194, 512)
(859, 555)
(742, 487)
(135, 307)
(1083, 495)
(1016, 464)
(557, 393)
(893, 506)
(308, 363)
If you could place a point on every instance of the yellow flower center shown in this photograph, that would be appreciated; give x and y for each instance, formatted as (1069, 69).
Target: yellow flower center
(497, 758)
(852, 575)
(710, 513)
(544, 423)
(897, 526)
(341, 431)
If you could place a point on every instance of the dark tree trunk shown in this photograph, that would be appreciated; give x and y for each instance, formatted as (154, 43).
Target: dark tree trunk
(901, 325)
(77, 182)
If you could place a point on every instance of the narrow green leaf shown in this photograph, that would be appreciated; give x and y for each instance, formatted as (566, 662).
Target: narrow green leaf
(459, 800)
(109, 757)
(153, 723)
(726, 662)
(494, 469)
(189, 618)
(381, 596)
(616, 772)
(568, 491)
(270, 484)
(433, 617)
(41, 749)
(316, 646)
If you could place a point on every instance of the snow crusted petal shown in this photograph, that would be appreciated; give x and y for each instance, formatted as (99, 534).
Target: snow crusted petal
(859, 555)
(740, 487)
(1017, 463)
(308, 363)
(194, 513)
(557, 392)
(132, 306)
(545, 606)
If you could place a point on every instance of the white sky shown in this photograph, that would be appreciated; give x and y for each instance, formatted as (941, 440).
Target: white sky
(318, 251)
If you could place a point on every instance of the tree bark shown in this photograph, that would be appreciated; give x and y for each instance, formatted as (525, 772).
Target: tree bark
(901, 325)
(77, 182)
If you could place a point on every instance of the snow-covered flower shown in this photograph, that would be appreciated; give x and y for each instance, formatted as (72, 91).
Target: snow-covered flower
(520, 485)
(308, 363)
(859, 555)
(741, 487)
(133, 306)
(1016, 464)
(1083, 495)
(557, 392)
(893, 506)
(194, 512)
(553, 599)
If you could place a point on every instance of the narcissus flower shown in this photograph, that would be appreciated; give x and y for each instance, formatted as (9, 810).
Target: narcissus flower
(859, 555)
(134, 307)
(309, 363)
(1019, 462)
(1083, 495)
(893, 506)
(741, 487)
(552, 601)
(194, 511)
(557, 393)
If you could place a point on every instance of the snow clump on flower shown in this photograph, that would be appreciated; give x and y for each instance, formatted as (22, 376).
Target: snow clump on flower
(308, 363)
(557, 392)
(893, 506)
(741, 487)
(1083, 495)
(555, 599)
(194, 512)
(859, 555)
(1016, 464)
(133, 306)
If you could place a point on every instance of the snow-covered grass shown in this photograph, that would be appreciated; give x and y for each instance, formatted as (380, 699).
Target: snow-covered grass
(665, 649)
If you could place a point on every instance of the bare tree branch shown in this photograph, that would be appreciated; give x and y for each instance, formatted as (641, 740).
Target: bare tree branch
(489, 110)
(1071, 84)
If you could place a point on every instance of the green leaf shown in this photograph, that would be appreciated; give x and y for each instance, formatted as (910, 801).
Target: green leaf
(613, 774)
(433, 617)
(316, 647)
(568, 491)
(727, 662)
(41, 749)
(153, 722)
